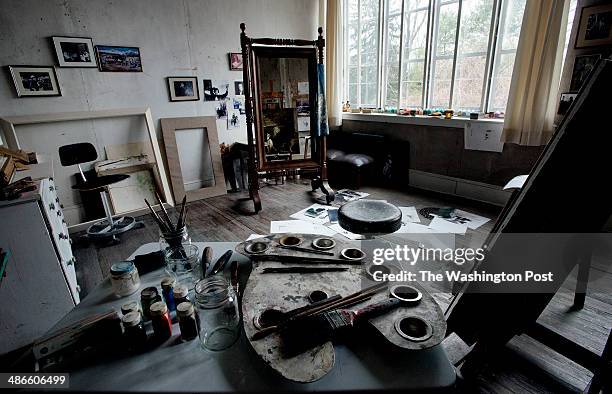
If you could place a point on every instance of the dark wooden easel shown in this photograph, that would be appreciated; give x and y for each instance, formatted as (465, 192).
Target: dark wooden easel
(255, 162)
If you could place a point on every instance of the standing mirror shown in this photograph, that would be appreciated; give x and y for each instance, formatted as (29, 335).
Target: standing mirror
(285, 108)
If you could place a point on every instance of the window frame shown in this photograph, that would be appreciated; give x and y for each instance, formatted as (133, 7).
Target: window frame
(493, 53)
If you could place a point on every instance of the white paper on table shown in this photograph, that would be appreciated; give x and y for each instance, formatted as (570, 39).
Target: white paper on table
(415, 228)
(472, 220)
(517, 182)
(321, 219)
(254, 236)
(409, 214)
(299, 227)
(483, 135)
(336, 227)
(445, 226)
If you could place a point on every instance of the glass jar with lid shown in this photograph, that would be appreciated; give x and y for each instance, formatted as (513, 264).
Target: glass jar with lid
(217, 308)
(124, 278)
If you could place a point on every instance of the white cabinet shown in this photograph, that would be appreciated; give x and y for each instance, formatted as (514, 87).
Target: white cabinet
(40, 284)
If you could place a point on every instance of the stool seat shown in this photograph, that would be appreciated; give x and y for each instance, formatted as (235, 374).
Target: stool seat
(99, 182)
(370, 217)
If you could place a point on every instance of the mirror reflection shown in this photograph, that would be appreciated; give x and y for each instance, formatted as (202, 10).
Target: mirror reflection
(284, 91)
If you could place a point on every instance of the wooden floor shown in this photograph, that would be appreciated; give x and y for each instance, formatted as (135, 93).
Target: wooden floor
(227, 218)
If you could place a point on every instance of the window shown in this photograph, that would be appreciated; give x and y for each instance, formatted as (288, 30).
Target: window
(431, 53)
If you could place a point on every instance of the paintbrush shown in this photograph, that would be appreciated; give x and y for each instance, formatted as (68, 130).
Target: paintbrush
(306, 250)
(299, 336)
(165, 213)
(162, 226)
(302, 270)
(181, 219)
(349, 300)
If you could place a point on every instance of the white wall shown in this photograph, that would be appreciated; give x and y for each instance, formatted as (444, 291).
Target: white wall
(176, 38)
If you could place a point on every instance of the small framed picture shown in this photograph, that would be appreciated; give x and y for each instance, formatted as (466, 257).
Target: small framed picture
(595, 27)
(74, 51)
(238, 88)
(183, 88)
(118, 59)
(235, 61)
(583, 65)
(567, 99)
(33, 81)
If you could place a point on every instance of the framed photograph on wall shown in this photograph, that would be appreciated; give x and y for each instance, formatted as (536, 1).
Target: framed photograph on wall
(74, 51)
(118, 59)
(595, 27)
(183, 88)
(31, 81)
(565, 102)
(583, 65)
(235, 61)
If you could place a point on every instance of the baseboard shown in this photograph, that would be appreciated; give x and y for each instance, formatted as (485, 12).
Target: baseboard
(472, 190)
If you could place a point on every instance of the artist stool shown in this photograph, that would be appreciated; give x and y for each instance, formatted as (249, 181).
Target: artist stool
(108, 228)
(370, 217)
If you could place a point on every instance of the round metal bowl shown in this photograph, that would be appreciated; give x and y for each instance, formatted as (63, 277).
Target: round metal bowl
(323, 243)
(268, 317)
(408, 294)
(413, 328)
(290, 240)
(353, 254)
(256, 247)
(374, 268)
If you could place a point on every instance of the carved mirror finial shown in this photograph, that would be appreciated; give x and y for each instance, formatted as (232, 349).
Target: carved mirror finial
(242, 27)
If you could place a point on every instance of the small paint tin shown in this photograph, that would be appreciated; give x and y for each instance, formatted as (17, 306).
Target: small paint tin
(124, 278)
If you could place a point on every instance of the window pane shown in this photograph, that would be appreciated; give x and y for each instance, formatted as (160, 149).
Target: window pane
(469, 79)
(470, 71)
(442, 65)
(440, 91)
(500, 83)
(412, 84)
(394, 28)
(509, 32)
(414, 47)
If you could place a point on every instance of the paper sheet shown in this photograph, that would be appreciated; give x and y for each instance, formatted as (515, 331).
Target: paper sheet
(517, 182)
(415, 228)
(299, 227)
(254, 236)
(347, 234)
(445, 226)
(322, 218)
(409, 214)
(483, 135)
(472, 220)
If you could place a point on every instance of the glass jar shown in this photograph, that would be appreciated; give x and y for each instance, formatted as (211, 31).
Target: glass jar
(181, 262)
(135, 334)
(160, 318)
(173, 239)
(124, 278)
(217, 307)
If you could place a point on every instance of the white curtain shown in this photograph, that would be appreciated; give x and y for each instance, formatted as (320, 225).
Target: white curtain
(532, 99)
(333, 61)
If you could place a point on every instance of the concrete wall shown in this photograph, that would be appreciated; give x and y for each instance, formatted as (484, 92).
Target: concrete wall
(176, 38)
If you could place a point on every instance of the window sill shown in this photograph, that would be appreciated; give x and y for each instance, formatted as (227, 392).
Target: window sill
(422, 120)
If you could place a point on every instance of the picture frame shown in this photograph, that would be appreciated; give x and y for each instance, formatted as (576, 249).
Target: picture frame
(183, 89)
(595, 26)
(583, 65)
(565, 102)
(118, 58)
(35, 81)
(74, 51)
(181, 186)
(235, 61)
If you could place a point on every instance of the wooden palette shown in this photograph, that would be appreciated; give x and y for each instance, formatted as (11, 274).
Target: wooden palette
(285, 292)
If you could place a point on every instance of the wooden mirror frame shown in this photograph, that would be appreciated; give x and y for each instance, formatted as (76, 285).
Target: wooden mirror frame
(248, 45)
(310, 54)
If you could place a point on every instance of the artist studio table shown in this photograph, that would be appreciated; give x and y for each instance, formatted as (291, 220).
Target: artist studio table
(176, 366)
